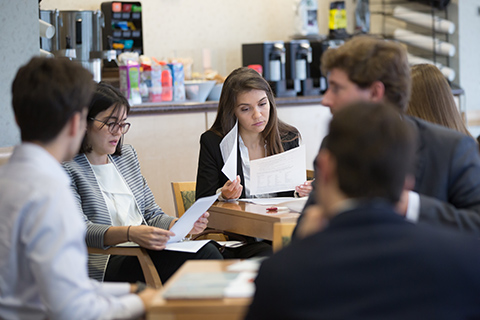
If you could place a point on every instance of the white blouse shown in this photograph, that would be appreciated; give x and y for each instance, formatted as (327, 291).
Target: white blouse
(119, 198)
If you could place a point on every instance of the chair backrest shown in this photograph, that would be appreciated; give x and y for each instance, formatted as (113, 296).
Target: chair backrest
(183, 196)
(310, 174)
(282, 234)
(5, 154)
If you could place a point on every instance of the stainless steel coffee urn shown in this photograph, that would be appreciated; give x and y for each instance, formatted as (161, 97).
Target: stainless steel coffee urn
(78, 36)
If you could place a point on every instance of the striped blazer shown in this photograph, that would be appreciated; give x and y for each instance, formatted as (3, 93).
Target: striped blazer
(91, 202)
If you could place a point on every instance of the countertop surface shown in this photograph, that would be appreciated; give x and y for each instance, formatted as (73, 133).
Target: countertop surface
(189, 106)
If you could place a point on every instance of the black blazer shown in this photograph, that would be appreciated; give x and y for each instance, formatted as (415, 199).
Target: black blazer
(370, 263)
(447, 176)
(210, 163)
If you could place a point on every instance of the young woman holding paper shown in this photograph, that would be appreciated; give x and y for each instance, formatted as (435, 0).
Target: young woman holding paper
(117, 204)
(248, 98)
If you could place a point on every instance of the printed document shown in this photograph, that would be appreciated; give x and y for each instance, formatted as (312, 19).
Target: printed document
(280, 172)
(183, 225)
(229, 147)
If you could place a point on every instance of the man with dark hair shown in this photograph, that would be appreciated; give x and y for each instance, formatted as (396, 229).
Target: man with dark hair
(43, 256)
(369, 262)
(447, 188)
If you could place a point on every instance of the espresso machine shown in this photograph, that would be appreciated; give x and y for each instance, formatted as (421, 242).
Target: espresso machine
(271, 56)
(318, 48)
(78, 36)
(299, 59)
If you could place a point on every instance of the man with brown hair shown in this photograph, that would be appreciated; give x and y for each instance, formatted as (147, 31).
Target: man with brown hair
(446, 189)
(43, 255)
(369, 262)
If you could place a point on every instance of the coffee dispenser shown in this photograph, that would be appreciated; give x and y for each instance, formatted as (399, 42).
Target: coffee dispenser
(78, 36)
(271, 56)
(299, 58)
(318, 48)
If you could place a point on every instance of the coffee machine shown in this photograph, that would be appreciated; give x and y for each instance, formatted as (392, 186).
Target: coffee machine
(78, 36)
(318, 48)
(271, 56)
(299, 58)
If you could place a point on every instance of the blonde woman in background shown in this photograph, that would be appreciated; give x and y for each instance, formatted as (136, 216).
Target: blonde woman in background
(432, 98)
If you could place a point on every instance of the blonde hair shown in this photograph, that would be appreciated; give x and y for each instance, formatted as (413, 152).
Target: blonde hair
(432, 98)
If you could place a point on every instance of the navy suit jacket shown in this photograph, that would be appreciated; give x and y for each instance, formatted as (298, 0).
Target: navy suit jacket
(370, 263)
(447, 177)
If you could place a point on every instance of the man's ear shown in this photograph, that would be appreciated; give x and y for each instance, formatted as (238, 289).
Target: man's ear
(377, 91)
(74, 124)
(326, 166)
(409, 182)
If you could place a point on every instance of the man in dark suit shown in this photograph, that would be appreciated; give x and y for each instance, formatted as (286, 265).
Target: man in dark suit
(447, 175)
(369, 262)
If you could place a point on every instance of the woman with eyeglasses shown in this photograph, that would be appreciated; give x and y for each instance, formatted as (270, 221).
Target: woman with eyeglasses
(117, 203)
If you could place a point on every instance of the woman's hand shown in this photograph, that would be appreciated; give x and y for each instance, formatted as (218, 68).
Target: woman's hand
(304, 189)
(200, 224)
(232, 190)
(148, 237)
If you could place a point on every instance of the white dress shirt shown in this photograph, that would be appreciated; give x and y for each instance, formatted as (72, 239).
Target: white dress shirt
(43, 256)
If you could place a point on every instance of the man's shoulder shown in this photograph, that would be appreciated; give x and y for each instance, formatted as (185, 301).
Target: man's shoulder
(429, 129)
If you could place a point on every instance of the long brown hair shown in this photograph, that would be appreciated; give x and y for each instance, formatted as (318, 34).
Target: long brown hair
(243, 80)
(432, 98)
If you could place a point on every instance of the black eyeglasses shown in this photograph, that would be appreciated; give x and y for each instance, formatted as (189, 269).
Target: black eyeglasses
(114, 126)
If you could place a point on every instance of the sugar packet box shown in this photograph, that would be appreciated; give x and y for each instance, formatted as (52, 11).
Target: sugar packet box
(178, 78)
(129, 77)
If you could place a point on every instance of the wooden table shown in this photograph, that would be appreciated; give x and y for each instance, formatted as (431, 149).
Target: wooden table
(198, 309)
(247, 218)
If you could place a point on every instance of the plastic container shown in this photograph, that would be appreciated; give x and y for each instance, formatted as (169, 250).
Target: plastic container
(167, 85)
(155, 91)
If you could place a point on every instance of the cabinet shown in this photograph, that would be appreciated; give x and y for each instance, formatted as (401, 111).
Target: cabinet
(123, 26)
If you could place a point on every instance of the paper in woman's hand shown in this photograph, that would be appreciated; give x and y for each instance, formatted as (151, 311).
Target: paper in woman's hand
(183, 226)
(228, 147)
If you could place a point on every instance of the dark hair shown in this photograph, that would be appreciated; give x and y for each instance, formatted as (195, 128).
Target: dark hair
(243, 80)
(366, 59)
(373, 148)
(46, 93)
(432, 98)
(104, 97)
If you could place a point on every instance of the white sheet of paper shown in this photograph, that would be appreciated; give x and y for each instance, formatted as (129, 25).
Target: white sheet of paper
(280, 172)
(186, 222)
(187, 246)
(229, 147)
(294, 204)
(267, 201)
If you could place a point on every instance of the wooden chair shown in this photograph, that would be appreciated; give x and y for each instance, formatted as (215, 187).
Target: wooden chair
(310, 174)
(183, 195)
(282, 235)
(149, 271)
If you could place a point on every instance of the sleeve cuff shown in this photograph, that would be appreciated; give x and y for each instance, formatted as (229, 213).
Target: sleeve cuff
(219, 192)
(413, 209)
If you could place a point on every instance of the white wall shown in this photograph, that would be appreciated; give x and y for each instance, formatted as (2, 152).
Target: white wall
(468, 54)
(18, 43)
